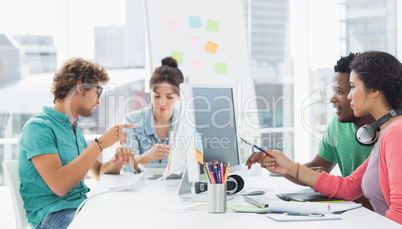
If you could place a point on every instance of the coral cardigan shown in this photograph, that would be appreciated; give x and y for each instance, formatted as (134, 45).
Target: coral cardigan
(390, 159)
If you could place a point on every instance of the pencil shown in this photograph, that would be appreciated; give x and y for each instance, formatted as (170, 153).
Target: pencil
(226, 172)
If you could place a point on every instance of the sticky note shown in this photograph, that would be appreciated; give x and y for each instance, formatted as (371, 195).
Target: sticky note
(196, 64)
(178, 56)
(213, 25)
(195, 22)
(221, 68)
(211, 47)
(174, 24)
(199, 150)
(193, 40)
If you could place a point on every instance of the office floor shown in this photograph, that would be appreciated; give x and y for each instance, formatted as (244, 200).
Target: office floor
(6, 206)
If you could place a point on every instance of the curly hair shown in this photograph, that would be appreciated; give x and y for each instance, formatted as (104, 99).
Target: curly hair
(73, 71)
(380, 71)
(168, 72)
(342, 65)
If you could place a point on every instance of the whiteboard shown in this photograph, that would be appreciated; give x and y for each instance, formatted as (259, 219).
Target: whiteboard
(183, 28)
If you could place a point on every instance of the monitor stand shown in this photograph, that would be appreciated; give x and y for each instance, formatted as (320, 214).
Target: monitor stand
(185, 191)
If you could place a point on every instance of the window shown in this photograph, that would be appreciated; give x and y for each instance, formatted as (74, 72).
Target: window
(293, 46)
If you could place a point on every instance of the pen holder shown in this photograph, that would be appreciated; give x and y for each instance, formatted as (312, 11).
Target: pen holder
(216, 198)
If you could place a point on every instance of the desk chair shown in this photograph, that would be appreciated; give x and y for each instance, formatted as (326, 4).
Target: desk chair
(12, 176)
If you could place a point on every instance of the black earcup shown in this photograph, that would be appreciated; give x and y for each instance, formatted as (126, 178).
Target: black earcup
(235, 184)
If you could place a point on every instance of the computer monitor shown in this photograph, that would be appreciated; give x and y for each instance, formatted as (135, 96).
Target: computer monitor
(206, 111)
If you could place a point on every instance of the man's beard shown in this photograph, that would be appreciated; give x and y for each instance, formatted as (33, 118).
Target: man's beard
(86, 112)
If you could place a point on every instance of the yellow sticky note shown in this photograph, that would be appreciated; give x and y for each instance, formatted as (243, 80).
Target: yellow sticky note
(221, 68)
(211, 47)
(178, 56)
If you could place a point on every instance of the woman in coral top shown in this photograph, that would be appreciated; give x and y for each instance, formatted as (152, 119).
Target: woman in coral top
(376, 89)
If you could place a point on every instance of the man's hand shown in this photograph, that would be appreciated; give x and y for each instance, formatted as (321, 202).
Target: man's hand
(124, 155)
(114, 135)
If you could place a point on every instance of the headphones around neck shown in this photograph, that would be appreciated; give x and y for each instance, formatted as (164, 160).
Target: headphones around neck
(367, 134)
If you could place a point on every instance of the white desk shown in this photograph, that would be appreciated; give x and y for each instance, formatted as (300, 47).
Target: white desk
(154, 206)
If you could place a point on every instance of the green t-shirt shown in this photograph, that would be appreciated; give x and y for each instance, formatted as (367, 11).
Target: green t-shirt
(46, 133)
(339, 145)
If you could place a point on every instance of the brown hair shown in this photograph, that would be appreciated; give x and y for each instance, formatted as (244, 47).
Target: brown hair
(73, 71)
(168, 72)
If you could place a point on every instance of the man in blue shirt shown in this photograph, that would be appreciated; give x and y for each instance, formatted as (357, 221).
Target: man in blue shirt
(53, 154)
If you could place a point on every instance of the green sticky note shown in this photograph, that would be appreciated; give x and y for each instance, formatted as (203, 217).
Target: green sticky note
(220, 68)
(178, 56)
(213, 25)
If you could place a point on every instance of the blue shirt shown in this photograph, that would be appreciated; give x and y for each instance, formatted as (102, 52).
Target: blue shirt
(143, 136)
(46, 133)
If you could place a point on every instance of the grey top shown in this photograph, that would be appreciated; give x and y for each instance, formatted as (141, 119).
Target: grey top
(371, 182)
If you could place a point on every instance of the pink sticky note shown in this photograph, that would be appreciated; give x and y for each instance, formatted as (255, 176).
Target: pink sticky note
(196, 64)
(174, 24)
(193, 40)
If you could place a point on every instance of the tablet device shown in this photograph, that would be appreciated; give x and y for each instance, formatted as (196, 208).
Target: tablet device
(307, 197)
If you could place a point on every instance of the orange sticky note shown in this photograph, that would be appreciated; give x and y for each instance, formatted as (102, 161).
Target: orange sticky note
(211, 47)
(199, 157)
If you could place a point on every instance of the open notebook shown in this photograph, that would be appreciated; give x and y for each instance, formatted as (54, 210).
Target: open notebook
(276, 205)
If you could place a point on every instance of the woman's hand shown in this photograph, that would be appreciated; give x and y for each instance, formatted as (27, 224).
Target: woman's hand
(158, 152)
(254, 157)
(277, 162)
(124, 155)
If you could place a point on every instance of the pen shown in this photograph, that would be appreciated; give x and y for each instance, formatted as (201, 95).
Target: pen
(206, 175)
(305, 214)
(255, 146)
(211, 170)
(222, 172)
(219, 173)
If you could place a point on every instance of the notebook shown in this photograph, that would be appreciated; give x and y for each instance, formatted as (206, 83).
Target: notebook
(289, 218)
(307, 197)
(260, 201)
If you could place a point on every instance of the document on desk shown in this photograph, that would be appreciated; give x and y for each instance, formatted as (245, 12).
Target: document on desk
(289, 218)
(311, 207)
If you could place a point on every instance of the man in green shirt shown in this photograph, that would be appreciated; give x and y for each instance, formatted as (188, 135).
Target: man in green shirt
(53, 155)
(338, 145)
